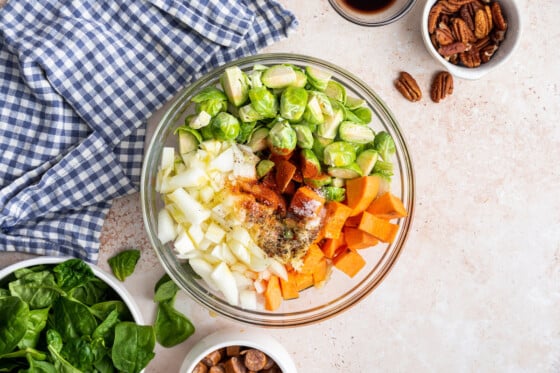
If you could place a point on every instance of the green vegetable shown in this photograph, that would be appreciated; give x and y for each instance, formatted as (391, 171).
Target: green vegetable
(282, 138)
(350, 171)
(171, 326)
(313, 112)
(319, 79)
(333, 193)
(225, 126)
(188, 141)
(383, 169)
(264, 167)
(197, 121)
(318, 181)
(336, 91)
(329, 128)
(14, 314)
(264, 102)
(301, 79)
(279, 76)
(235, 85)
(304, 136)
(245, 131)
(356, 133)
(363, 113)
(366, 160)
(353, 103)
(133, 346)
(319, 144)
(71, 333)
(124, 263)
(339, 154)
(209, 93)
(384, 145)
(210, 101)
(292, 103)
(258, 139)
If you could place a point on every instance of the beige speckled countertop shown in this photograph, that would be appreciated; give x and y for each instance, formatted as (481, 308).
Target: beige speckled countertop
(477, 287)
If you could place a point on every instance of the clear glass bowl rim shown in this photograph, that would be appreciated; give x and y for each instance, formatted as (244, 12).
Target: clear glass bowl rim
(261, 318)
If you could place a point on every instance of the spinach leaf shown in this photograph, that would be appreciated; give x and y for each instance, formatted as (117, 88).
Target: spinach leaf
(54, 340)
(124, 263)
(4, 293)
(133, 346)
(37, 289)
(92, 292)
(72, 273)
(106, 330)
(171, 326)
(38, 366)
(35, 324)
(14, 314)
(60, 364)
(79, 353)
(165, 289)
(103, 309)
(72, 319)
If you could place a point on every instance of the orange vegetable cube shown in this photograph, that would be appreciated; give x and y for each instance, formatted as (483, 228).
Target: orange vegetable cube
(306, 202)
(272, 294)
(336, 215)
(304, 280)
(349, 262)
(289, 287)
(387, 207)
(320, 272)
(312, 257)
(381, 229)
(360, 192)
(332, 245)
(358, 239)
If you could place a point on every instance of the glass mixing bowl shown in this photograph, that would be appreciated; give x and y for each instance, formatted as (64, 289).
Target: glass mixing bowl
(314, 304)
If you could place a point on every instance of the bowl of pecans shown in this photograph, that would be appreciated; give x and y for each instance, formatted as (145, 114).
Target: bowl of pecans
(471, 37)
(236, 350)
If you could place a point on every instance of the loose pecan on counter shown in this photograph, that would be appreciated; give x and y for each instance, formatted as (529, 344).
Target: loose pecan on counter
(408, 87)
(442, 86)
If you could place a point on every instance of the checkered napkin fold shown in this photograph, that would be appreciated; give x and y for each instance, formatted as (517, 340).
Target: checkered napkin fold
(78, 80)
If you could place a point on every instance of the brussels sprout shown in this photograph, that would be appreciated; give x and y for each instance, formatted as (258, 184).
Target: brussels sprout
(292, 103)
(207, 133)
(310, 164)
(301, 79)
(212, 107)
(356, 133)
(264, 167)
(254, 78)
(383, 169)
(350, 171)
(336, 91)
(282, 138)
(235, 85)
(363, 113)
(318, 181)
(366, 160)
(339, 154)
(304, 136)
(353, 103)
(247, 113)
(209, 93)
(245, 130)
(197, 121)
(279, 76)
(319, 144)
(313, 113)
(329, 127)
(333, 193)
(225, 126)
(257, 140)
(324, 102)
(384, 145)
(318, 78)
(350, 116)
(264, 102)
(188, 139)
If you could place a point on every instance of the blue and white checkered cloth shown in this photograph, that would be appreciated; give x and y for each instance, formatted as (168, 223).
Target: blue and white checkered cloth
(78, 80)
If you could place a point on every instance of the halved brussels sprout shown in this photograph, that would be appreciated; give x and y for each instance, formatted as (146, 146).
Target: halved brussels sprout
(197, 121)
(366, 160)
(319, 144)
(264, 102)
(301, 79)
(319, 79)
(279, 76)
(245, 131)
(356, 133)
(329, 127)
(225, 126)
(235, 85)
(353, 103)
(304, 136)
(313, 112)
(384, 145)
(336, 91)
(282, 138)
(339, 154)
(247, 113)
(258, 139)
(383, 169)
(292, 103)
(350, 171)
(264, 167)
(333, 193)
(364, 113)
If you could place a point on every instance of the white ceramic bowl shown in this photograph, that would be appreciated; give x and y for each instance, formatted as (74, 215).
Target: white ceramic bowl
(512, 14)
(232, 337)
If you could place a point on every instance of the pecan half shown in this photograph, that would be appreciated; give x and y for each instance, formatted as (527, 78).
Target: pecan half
(453, 48)
(462, 31)
(470, 58)
(487, 52)
(498, 16)
(408, 87)
(444, 35)
(481, 24)
(442, 86)
(433, 17)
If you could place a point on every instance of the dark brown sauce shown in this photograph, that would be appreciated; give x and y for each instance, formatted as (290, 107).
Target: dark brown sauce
(368, 6)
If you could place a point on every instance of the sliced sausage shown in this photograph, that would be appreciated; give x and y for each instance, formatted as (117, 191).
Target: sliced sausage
(217, 369)
(255, 359)
(233, 350)
(200, 368)
(235, 365)
(213, 358)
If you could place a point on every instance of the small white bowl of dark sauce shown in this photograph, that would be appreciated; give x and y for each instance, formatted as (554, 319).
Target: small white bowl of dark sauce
(372, 13)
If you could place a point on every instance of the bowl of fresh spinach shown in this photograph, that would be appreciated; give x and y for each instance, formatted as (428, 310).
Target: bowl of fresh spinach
(61, 314)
